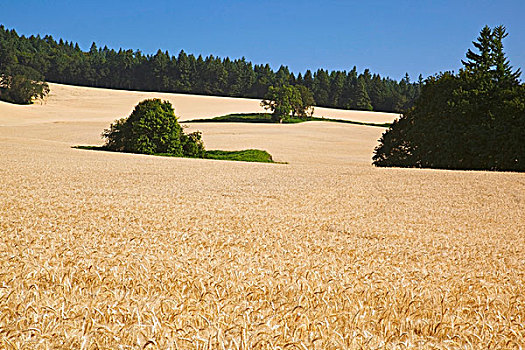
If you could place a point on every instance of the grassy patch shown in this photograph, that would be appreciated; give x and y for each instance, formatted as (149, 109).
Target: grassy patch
(266, 118)
(263, 118)
(248, 155)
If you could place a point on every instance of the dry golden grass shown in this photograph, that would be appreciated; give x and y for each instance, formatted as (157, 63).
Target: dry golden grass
(120, 251)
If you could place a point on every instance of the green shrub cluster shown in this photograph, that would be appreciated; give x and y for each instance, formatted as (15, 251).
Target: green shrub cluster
(20, 84)
(152, 128)
(471, 120)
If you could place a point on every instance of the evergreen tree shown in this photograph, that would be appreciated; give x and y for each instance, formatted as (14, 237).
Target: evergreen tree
(282, 77)
(471, 120)
(349, 98)
(321, 88)
(302, 105)
(363, 101)
(308, 80)
(482, 61)
(336, 88)
(377, 98)
(503, 70)
(263, 80)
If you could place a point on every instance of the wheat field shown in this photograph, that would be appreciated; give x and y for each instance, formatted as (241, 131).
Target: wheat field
(102, 250)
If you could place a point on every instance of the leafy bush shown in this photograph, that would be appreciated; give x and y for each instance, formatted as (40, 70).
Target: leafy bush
(152, 128)
(192, 145)
(286, 99)
(21, 84)
(471, 120)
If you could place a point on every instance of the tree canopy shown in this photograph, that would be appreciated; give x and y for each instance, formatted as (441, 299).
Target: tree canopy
(152, 128)
(471, 120)
(19, 83)
(64, 62)
(286, 99)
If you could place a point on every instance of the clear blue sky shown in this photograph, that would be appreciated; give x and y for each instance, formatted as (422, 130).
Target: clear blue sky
(388, 37)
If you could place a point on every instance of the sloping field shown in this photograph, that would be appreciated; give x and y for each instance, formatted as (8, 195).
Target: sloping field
(66, 103)
(105, 250)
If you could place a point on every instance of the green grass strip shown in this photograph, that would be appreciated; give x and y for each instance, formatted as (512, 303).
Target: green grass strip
(266, 118)
(248, 155)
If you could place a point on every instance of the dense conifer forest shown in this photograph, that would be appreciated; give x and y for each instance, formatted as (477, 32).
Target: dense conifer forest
(64, 62)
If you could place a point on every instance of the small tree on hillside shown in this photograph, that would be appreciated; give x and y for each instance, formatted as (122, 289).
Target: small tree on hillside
(303, 106)
(279, 100)
(288, 99)
(21, 84)
(152, 128)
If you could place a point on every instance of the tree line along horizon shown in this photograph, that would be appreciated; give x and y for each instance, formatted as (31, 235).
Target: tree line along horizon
(38, 59)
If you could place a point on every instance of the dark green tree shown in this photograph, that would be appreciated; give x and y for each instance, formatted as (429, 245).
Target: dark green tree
(337, 87)
(280, 100)
(349, 96)
(480, 62)
(152, 128)
(321, 88)
(282, 77)
(192, 145)
(308, 80)
(503, 70)
(22, 85)
(363, 101)
(303, 103)
(471, 120)
(286, 99)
